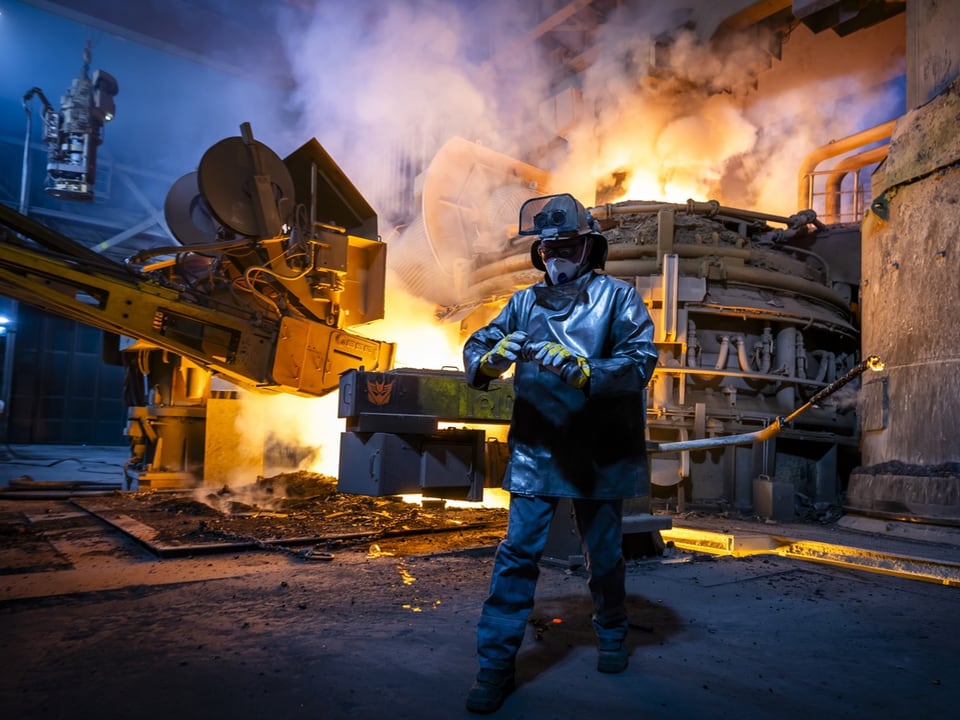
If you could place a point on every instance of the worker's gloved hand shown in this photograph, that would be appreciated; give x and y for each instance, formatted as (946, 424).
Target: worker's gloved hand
(572, 368)
(503, 355)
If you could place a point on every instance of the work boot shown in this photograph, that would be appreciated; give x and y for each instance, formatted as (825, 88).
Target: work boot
(489, 690)
(612, 657)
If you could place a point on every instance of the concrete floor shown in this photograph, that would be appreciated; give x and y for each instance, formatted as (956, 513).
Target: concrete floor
(108, 630)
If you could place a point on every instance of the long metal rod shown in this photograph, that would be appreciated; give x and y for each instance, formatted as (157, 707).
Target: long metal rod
(871, 363)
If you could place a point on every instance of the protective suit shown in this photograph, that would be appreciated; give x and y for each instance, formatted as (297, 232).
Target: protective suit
(565, 442)
(582, 344)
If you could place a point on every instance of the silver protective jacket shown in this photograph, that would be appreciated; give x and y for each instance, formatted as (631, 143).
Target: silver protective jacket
(564, 441)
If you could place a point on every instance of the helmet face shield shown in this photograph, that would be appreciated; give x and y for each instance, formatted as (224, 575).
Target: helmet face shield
(553, 216)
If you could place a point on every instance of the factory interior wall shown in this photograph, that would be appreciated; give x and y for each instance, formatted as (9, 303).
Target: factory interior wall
(62, 391)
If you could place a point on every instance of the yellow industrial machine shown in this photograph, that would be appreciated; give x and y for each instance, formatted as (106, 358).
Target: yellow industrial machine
(277, 258)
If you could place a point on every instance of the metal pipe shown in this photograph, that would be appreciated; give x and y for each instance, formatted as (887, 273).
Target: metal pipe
(525, 274)
(786, 361)
(801, 355)
(832, 200)
(711, 373)
(766, 350)
(691, 207)
(871, 363)
(631, 251)
(25, 179)
(742, 358)
(25, 174)
(722, 354)
(827, 359)
(832, 149)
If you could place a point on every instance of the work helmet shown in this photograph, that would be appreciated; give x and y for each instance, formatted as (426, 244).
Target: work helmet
(562, 217)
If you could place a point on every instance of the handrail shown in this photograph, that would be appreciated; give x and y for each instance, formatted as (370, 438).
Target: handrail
(832, 149)
(853, 163)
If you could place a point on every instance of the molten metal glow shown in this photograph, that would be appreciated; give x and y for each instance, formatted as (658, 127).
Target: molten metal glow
(422, 342)
(657, 150)
(645, 184)
(492, 498)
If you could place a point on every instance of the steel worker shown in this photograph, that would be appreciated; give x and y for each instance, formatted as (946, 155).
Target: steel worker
(582, 343)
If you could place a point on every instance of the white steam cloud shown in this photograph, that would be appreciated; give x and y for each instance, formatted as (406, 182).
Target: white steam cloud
(389, 85)
(673, 120)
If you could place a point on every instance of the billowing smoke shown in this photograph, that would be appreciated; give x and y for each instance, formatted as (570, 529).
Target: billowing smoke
(675, 118)
(664, 115)
(383, 88)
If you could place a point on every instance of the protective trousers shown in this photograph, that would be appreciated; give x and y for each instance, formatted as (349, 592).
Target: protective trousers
(503, 619)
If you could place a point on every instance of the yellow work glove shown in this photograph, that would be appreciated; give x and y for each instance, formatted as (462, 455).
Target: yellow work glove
(503, 355)
(572, 368)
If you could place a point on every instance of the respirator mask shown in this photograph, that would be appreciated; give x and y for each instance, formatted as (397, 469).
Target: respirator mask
(564, 259)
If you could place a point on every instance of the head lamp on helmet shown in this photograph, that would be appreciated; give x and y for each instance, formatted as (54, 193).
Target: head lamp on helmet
(554, 216)
(544, 221)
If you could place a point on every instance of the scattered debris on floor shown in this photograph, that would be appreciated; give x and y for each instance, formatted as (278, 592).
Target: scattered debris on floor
(292, 509)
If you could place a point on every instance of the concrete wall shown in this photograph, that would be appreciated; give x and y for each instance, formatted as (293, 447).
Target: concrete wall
(911, 265)
(933, 57)
(910, 413)
(910, 290)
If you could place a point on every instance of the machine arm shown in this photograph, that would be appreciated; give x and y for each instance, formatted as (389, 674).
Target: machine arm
(287, 354)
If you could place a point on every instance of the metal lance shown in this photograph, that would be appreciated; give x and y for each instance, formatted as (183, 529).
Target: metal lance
(870, 363)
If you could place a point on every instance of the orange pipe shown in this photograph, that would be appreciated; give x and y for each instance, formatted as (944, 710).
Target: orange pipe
(832, 149)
